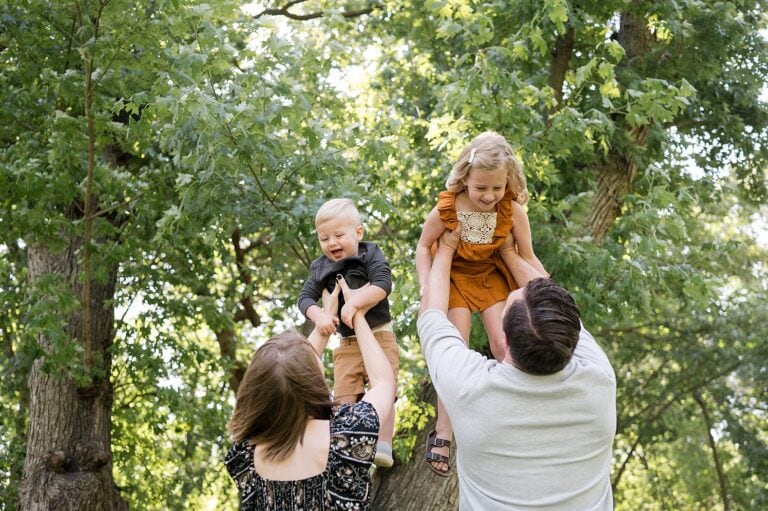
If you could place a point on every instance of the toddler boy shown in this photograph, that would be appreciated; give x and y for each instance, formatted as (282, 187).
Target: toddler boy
(340, 233)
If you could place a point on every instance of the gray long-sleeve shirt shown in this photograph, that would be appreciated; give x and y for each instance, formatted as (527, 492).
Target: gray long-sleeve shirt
(368, 266)
(525, 442)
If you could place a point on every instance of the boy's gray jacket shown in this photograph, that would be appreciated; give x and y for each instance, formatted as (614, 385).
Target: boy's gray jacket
(368, 266)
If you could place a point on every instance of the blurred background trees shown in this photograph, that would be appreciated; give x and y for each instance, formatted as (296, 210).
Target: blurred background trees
(161, 163)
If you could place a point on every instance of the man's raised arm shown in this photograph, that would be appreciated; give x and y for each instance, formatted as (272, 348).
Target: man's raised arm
(521, 270)
(435, 294)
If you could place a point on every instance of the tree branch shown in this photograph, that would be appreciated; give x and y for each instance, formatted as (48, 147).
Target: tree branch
(561, 57)
(247, 300)
(113, 207)
(283, 11)
(654, 413)
(88, 221)
(713, 446)
(624, 464)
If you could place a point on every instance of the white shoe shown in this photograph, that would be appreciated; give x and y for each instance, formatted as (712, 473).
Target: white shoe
(383, 456)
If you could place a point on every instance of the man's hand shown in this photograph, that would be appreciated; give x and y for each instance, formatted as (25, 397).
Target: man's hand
(450, 239)
(434, 295)
(509, 245)
(522, 271)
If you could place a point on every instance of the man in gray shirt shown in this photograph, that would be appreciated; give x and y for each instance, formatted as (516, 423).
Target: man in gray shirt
(535, 431)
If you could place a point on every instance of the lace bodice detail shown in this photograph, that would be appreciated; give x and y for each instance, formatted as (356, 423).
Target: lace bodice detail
(477, 226)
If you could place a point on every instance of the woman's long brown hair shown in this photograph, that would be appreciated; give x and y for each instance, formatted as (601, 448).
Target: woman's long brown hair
(282, 389)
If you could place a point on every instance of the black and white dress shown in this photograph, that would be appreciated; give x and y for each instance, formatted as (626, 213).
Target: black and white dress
(344, 485)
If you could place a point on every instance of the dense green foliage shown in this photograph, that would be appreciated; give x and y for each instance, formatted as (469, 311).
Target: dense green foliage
(219, 131)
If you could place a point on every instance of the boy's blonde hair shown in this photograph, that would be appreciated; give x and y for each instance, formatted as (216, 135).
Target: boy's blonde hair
(338, 207)
(489, 151)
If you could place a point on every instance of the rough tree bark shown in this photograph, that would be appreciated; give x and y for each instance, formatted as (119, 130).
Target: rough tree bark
(561, 58)
(616, 173)
(68, 465)
(413, 486)
(615, 176)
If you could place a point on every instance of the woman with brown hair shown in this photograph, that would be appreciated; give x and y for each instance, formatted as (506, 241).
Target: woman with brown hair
(293, 448)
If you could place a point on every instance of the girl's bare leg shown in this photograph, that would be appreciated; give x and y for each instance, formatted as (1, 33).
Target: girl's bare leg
(492, 323)
(462, 320)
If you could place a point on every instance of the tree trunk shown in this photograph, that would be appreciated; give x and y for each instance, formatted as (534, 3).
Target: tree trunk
(561, 57)
(245, 310)
(413, 486)
(614, 180)
(227, 340)
(617, 172)
(68, 463)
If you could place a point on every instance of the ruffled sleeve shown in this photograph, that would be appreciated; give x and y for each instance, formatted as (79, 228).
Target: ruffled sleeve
(504, 222)
(446, 207)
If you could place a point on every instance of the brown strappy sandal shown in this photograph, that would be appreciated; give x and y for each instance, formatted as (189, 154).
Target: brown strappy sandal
(431, 457)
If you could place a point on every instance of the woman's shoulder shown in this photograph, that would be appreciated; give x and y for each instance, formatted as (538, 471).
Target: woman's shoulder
(238, 459)
(354, 432)
(357, 417)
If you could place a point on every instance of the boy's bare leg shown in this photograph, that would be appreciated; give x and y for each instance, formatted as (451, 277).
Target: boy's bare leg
(384, 456)
(387, 428)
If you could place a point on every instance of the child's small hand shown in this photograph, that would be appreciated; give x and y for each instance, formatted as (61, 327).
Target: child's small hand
(326, 323)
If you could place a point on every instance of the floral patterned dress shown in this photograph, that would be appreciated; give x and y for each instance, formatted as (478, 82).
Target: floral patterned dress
(344, 485)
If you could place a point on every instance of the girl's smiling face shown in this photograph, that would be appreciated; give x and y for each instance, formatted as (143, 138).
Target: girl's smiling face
(485, 189)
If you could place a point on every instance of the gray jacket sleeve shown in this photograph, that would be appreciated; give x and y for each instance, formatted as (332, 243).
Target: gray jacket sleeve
(312, 290)
(379, 273)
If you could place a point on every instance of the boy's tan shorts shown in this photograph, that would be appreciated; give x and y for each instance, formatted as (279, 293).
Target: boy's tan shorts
(350, 378)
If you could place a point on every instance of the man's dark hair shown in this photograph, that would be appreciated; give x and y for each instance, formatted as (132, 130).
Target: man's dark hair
(542, 328)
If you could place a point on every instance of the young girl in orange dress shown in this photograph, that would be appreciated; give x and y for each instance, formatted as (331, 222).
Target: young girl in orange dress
(485, 193)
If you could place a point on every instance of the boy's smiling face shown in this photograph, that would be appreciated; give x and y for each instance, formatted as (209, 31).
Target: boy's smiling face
(339, 237)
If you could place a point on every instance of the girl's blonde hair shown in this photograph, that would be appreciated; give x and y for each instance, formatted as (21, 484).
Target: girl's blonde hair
(282, 389)
(489, 151)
